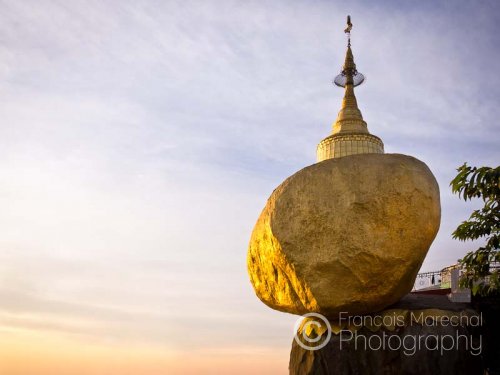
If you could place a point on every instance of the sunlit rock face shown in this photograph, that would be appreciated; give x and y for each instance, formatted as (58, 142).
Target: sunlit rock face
(345, 235)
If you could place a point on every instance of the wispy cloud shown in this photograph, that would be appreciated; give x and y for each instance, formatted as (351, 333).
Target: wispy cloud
(140, 141)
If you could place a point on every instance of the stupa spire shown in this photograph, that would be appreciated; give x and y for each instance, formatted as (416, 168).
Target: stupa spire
(349, 118)
(350, 133)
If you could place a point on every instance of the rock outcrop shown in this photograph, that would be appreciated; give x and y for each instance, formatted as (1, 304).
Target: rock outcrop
(425, 342)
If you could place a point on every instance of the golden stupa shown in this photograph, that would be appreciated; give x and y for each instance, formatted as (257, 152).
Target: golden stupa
(350, 232)
(350, 134)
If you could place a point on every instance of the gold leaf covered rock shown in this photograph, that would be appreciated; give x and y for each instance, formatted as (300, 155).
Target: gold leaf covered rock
(345, 235)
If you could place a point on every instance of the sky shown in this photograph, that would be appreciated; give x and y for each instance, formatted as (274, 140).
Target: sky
(141, 139)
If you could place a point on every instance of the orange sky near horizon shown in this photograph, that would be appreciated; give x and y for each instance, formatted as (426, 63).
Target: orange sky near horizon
(45, 353)
(140, 141)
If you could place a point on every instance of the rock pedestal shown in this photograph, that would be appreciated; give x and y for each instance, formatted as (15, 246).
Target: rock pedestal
(445, 348)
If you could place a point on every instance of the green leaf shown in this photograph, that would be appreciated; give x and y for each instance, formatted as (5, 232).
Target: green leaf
(482, 183)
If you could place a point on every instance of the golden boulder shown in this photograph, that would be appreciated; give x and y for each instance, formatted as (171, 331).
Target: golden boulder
(345, 235)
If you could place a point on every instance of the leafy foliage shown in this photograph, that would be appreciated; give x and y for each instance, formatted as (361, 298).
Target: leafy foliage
(481, 267)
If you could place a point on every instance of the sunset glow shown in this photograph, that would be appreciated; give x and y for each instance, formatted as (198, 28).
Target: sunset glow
(140, 141)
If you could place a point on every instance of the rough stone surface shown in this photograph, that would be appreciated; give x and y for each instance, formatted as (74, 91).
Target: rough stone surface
(489, 308)
(346, 234)
(462, 356)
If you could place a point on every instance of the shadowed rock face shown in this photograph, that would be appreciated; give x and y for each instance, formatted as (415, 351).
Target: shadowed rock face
(346, 234)
(414, 346)
(352, 359)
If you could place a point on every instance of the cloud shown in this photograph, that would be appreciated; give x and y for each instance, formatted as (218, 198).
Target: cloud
(141, 140)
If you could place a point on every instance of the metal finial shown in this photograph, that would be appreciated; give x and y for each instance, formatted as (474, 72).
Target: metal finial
(349, 74)
(348, 31)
